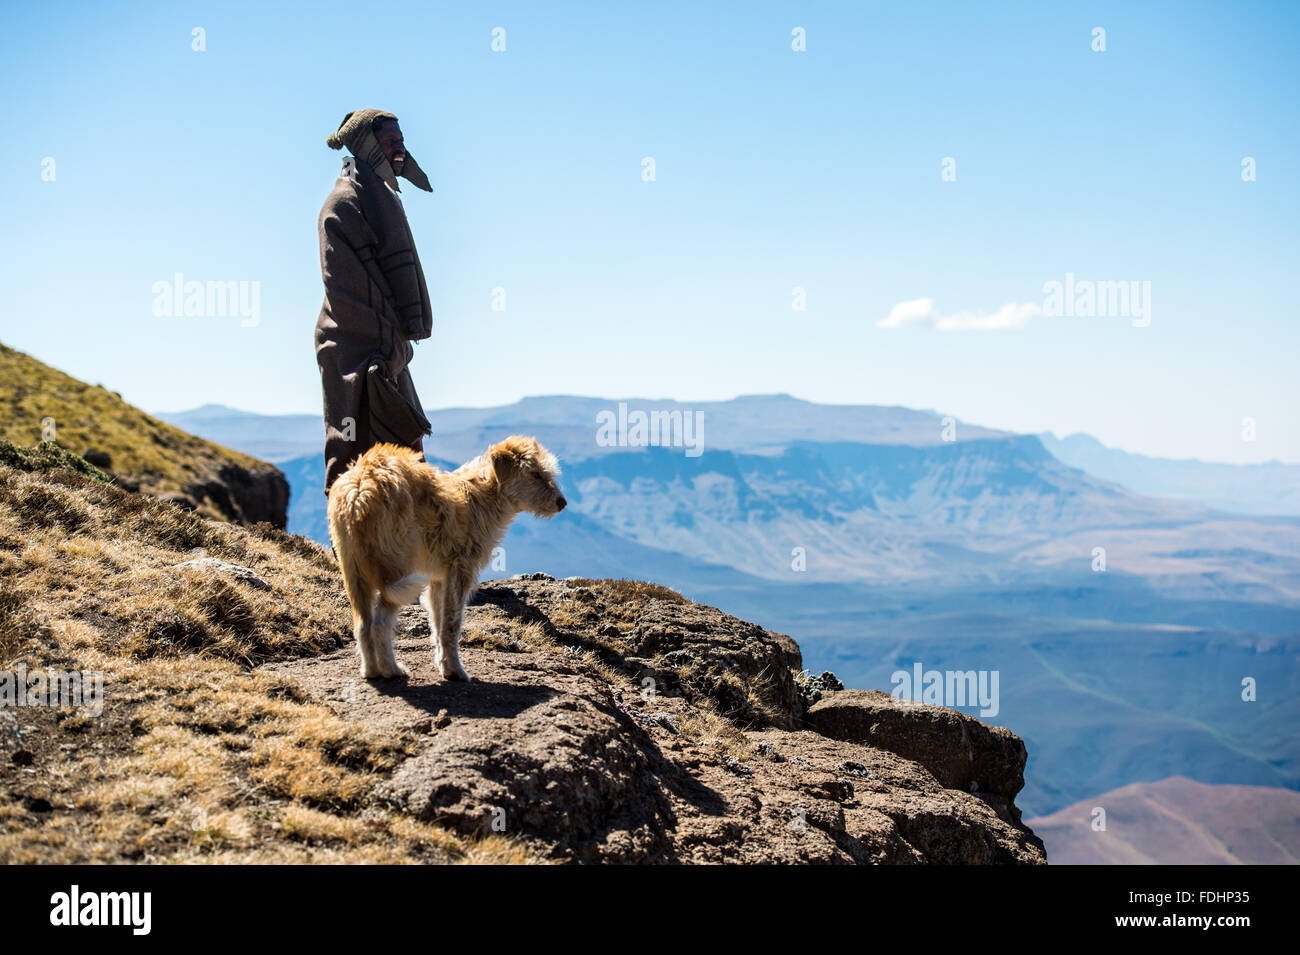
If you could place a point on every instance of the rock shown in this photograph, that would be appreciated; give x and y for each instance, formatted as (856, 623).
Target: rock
(542, 747)
(667, 721)
(724, 656)
(813, 688)
(828, 681)
(244, 495)
(688, 648)
(545, 763)
(734, 765)
(11, 735)
(769, 751)
(100, 459)
(958, 750)
(215, 565)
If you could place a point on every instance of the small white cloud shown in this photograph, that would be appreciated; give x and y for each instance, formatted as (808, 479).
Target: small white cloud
(906, 313)
(922, 311)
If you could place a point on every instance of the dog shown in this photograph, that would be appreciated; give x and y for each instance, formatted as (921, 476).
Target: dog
(403, 528)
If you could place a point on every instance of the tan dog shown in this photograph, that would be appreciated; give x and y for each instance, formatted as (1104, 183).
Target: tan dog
(401, 527)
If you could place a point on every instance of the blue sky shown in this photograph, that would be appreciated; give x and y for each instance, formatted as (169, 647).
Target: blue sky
(775, 169)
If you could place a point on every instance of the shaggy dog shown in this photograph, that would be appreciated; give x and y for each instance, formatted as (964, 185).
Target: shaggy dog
(401, 527)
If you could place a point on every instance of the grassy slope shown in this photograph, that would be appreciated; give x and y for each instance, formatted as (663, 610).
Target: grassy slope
(159, 457)
(196, 757)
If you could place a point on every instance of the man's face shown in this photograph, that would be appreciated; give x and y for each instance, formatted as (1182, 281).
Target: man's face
(390, 142)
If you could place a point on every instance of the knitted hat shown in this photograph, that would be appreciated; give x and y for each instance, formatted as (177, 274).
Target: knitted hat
(357, 133)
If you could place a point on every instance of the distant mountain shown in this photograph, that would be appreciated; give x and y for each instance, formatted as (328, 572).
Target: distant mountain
(1272, 488)
(274, 438)
(764, 424)
(1177, 822)
(754, 423)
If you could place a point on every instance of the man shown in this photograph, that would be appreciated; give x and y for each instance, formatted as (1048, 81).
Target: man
(376, 302)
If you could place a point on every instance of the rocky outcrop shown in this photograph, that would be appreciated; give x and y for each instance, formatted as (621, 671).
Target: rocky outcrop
(231, 493)
(679, 647)
(244, 495)
(958, 750)
(562, 742)
(961, 751)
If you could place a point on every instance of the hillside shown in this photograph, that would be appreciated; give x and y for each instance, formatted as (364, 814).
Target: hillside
(233, 726)
(140, 451)
(1178, 822)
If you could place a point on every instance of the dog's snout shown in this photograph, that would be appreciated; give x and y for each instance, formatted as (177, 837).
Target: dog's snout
(560, 503)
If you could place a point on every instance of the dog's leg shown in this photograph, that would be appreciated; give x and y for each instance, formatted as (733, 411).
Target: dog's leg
(362, 601)
(431, 600)
(381, 641)
(363, 630)
(453, 612)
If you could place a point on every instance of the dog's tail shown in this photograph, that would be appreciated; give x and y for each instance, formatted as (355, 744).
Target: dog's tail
(404, 591)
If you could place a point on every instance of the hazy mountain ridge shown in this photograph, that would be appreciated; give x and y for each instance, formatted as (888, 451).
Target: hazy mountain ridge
(747, 423)
(1256, 489)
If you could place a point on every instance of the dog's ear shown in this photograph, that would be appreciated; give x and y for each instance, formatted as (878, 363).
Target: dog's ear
(503, 458)
(512, 454)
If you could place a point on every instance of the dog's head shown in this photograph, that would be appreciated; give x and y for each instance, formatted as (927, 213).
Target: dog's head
(528, 474)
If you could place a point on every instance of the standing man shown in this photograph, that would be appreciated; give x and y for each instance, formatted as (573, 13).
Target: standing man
(376, 302)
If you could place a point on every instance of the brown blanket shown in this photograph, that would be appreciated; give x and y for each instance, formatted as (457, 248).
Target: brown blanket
(376, 303)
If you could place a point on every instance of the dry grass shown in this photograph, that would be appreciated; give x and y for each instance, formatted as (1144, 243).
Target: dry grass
(627, 598)
(708, 727)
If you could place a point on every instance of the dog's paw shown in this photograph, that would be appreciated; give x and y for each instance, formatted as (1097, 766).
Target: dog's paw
(454, 671)
(383, 671)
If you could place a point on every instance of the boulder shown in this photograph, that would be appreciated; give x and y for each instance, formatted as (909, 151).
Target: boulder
(958, 750)
(214, 565)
